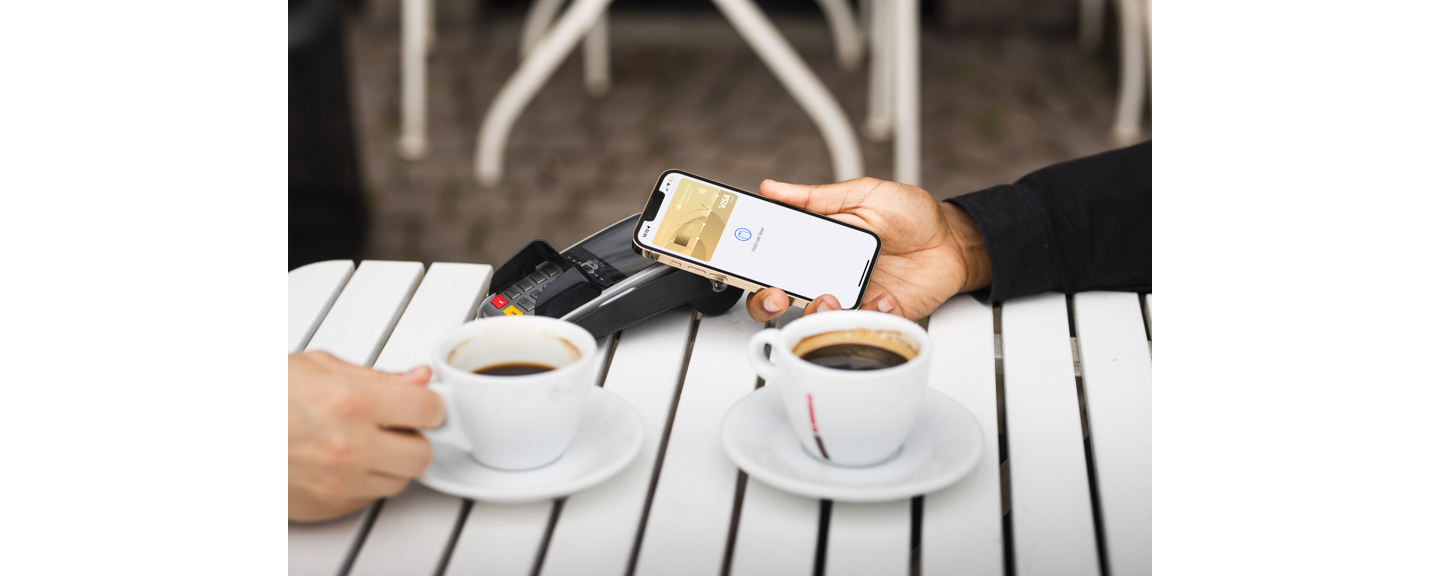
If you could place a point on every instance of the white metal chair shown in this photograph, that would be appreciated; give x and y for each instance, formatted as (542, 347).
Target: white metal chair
(597, 43)
(417, 38)
(894, 107)
(848, 44)
(544, 47)
(1134, 60)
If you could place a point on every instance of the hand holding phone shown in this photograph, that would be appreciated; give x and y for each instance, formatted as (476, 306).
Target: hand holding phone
(753, 242)
(932, 251)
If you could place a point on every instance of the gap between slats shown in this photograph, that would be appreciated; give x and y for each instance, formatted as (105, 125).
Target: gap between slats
(371, 513)
(917, 506)
(1007, 530)
(324, 310)
(1095, 508)
(555, 511)
(1145, 317)
(741, 480)
(465, 506)
(664, 441)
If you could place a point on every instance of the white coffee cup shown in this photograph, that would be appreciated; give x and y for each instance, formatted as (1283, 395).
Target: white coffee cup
(513, 422)
(847, 417)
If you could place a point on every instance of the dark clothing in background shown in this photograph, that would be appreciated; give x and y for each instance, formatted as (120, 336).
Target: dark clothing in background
(1074, 226)
(327, 211)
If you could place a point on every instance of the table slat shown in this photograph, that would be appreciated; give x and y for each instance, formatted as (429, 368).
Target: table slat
(962, 531)
(596, 531)
(1051, 523)
(361, 320)
(500, 540)
(778, 531)
(321, 548)
(1116, 363)
(313, 289)
(409, 534)
(690, 515)
(446, 298)
(354, 330)
(414, 526)
(870, 539)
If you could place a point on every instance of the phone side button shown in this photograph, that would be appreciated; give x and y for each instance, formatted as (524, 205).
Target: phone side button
(701, 271)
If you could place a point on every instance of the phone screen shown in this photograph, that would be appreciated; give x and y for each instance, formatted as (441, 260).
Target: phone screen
(760, 240)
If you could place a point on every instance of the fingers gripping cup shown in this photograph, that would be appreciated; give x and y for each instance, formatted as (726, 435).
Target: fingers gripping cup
(852, 381)
(514, 388)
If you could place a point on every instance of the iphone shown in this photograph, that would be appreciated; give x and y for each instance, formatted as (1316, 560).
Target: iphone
(751, 242)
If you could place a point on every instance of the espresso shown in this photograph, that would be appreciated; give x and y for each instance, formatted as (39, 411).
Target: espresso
(854, 357)
(514, 369)
(857, 349)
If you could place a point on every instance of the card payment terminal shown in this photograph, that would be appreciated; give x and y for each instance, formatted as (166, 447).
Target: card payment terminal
(600, 283)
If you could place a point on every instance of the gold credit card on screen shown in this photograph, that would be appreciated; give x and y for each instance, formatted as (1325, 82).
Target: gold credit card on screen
(696, 218)
(752, 242)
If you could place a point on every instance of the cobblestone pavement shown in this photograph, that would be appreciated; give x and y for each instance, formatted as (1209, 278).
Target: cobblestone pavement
(686, 93)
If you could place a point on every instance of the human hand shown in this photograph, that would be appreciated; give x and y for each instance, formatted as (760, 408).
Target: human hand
(351, 433)
(929, 251)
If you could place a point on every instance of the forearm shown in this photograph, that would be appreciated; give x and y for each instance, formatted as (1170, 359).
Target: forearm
(1078, 225)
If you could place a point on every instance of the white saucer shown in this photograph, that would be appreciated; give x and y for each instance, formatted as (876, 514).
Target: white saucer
(609, 438)
(945, 445)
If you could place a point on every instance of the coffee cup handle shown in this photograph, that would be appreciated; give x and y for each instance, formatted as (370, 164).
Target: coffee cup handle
(448, 432)
(763, 365)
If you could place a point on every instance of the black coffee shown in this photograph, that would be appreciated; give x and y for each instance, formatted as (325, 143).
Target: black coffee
(852, 356)
(514, 369)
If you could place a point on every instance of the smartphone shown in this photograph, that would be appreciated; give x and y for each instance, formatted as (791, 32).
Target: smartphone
(752, 242)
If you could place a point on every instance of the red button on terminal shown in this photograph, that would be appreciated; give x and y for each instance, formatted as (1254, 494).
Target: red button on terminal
(499, 301)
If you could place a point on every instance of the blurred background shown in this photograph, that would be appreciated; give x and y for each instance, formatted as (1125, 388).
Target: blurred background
(1006, 87)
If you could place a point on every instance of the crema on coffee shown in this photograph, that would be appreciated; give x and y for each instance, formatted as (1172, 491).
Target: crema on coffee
(857, 349)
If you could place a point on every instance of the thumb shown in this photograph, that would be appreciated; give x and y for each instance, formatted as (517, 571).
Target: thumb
(825, 199)
(882, 303)
(418, 375)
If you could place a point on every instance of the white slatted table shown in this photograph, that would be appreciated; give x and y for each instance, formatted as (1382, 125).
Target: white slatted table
(1062, 393)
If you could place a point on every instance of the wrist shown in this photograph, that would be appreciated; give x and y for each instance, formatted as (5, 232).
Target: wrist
(970, 244)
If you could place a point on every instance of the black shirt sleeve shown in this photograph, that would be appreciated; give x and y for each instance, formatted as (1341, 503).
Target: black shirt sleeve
(1077, 225)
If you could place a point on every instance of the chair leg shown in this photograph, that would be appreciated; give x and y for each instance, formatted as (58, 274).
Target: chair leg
(1149, 56)
(879, 118)
(413, 144)
(534, 70)
(842, 27)
(1092, 24)
(537, 21)
(862, 27)
(801, 82)
(906, 15)
(597, 58)
(429, 27)
(1130, 102)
